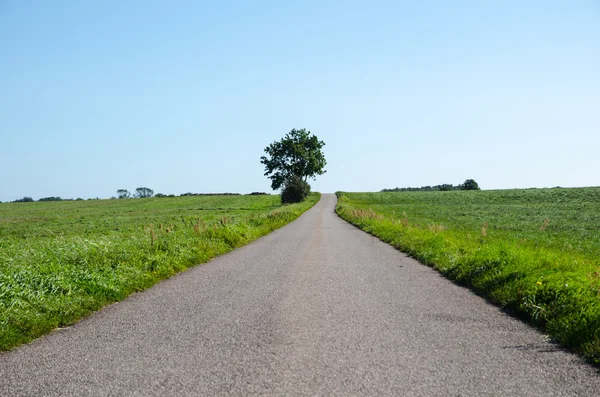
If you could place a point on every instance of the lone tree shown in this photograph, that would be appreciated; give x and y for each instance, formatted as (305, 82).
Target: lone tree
(123, 193)
(298, 155)
(143, 192)
(470, 184)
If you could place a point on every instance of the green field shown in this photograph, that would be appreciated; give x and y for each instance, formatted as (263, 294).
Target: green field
(59, 261)
(534, 252)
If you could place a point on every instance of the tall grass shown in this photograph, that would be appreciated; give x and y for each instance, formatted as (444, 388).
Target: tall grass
(59, 261)
(534, 252)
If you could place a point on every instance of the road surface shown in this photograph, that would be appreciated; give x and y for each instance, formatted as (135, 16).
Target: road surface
(315, 308)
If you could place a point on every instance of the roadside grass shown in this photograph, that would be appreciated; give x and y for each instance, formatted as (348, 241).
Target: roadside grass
(60, 261)
(534, 252)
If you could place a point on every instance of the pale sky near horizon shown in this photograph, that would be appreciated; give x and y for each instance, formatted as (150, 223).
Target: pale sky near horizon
(183, 96)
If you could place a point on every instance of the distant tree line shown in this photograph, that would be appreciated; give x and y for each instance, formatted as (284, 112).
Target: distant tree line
(469, 184)
(144, 192)
(209, 194)
(24, 200)
(140, 192)
(52, 198)
(161, 195)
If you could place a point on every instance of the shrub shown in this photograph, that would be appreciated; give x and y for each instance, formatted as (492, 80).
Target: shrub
(295, 190)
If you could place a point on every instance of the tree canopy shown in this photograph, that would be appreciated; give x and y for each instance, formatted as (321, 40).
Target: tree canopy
(143, 192)
(470, 184)
(298, 154)
(123, 193)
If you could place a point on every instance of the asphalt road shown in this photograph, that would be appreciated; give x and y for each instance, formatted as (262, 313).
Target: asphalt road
(315, 308)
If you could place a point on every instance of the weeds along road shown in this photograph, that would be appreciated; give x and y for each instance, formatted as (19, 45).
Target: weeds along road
(315, 308)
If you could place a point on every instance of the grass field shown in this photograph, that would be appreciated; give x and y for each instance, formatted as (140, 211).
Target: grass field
(535, 252)
(59, 261)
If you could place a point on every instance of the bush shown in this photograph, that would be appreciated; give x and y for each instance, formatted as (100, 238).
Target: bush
(295, 190)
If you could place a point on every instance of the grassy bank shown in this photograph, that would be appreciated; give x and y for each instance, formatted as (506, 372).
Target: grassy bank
(535, 252)
(59, 261)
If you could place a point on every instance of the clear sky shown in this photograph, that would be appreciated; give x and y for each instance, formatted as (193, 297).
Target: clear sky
(183, 96)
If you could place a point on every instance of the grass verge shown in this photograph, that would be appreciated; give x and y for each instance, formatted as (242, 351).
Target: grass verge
(534, 252)
(60, 261)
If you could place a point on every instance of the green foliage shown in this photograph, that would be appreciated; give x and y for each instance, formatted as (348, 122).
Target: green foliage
(534, 252)
(59, 261)
(24, 200)
(470, 184)
(50, 199)
(295, 190)
(206, 194)
(298, 154)
(143, 192)
(123, 193)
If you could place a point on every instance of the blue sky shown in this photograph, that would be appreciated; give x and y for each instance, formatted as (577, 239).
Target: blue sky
(183, 96)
